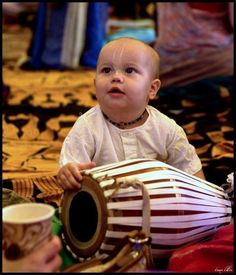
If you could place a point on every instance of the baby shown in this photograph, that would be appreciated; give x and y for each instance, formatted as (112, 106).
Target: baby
(123, 126)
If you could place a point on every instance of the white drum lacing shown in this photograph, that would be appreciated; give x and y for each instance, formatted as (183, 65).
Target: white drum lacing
(125, 182)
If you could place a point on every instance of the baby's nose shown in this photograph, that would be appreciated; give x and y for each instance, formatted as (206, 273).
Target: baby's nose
(117, 76)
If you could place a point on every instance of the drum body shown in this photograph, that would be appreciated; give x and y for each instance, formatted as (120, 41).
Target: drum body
(183, 208)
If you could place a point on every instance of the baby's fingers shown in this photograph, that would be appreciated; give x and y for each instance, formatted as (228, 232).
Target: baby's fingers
(69, 182)
(86, 165)
(74, 171)
(69, 177)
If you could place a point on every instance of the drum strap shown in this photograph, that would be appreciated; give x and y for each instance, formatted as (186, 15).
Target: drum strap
(137, 184)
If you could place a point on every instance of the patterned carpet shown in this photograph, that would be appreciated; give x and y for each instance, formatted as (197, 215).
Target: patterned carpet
(41, 109)
(43, 105)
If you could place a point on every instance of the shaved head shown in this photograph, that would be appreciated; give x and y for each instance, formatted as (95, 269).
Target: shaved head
(153, 56)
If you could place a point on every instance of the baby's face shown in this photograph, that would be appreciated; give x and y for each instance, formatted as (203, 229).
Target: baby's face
(124, 76)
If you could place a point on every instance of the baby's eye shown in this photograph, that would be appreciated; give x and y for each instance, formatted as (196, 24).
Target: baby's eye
(106, 70)
(130, 70)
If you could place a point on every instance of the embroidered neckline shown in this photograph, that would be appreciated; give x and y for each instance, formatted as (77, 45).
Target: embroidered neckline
(122, 125)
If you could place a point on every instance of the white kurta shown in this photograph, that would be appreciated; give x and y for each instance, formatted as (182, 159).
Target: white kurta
(93, 138)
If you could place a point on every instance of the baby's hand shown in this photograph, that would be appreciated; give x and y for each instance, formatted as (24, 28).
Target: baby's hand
(69, 176)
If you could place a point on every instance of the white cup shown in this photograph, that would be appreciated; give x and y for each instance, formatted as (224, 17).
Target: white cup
(25, 226)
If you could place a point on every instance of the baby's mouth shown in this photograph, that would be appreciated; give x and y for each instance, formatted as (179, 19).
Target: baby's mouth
(115, 90)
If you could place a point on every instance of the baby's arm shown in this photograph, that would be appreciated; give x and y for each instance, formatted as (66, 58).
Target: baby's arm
(200, 174)
(182, 154)
(69, 176)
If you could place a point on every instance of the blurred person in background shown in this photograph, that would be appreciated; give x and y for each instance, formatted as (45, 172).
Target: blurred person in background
(18, 13)
(195, 41)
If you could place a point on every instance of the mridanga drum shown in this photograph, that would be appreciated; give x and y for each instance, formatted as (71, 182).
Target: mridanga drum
(175, 208)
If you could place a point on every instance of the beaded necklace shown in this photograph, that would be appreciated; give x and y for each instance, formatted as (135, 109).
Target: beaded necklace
(122, 125)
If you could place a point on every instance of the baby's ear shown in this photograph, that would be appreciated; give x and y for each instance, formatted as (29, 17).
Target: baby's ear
(155, 86)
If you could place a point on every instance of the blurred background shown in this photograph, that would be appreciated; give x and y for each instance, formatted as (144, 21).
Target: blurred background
(67, 34)
(49, 56)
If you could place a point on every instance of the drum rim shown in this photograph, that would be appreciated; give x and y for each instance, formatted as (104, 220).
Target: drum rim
(89, 248)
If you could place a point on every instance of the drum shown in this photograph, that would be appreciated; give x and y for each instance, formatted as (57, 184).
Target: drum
(176, 209)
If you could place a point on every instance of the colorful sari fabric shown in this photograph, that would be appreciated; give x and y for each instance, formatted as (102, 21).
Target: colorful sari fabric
(193, 44)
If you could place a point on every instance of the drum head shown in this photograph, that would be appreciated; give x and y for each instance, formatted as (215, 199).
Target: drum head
(84, 218)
